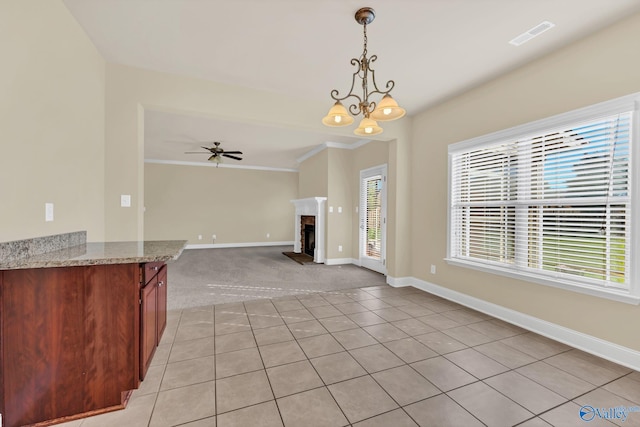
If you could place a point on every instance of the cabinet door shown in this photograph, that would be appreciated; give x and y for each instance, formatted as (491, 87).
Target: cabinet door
(162, 301)
(111, 343)
(148, 324)
(42, 333)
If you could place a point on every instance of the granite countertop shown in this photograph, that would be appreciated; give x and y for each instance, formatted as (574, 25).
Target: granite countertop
(101, 253)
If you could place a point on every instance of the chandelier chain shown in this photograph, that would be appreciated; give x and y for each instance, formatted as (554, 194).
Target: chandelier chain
(364, 66)
(364, 53)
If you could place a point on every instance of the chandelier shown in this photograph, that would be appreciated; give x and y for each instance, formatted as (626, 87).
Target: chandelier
(385, 110)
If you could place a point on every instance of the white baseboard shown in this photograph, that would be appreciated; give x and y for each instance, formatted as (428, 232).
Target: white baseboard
(237, 245)
(339, 261)
(590, 344)
(399, 282)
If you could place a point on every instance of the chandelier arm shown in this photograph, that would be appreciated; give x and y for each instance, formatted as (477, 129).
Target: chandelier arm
(390, 84)
(355, 109)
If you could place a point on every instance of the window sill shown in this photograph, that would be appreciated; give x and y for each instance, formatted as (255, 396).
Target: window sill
(609, 293)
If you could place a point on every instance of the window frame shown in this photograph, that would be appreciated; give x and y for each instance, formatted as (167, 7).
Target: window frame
(629, 103)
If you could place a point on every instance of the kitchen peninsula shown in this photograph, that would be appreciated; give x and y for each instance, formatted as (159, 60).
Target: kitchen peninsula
(79, 324)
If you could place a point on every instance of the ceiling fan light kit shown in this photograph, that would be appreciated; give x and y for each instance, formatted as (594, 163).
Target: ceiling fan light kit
(386, 109)
(217, 153)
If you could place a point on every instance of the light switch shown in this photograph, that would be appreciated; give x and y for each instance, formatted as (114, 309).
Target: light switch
(330, 209)
(339, 209)
(48, 212)
(125, 200)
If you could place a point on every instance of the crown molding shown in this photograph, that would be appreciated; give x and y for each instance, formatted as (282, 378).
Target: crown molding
(214, 165)
(330, 144)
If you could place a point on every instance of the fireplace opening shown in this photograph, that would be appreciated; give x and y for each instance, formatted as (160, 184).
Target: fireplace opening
(309, 239)
(308, 235)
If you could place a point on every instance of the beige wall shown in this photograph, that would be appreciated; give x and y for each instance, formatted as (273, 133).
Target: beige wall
(339, 198)
(237, 205)
(52, 82)
(312, 176)
(598, 68)
(399, 185)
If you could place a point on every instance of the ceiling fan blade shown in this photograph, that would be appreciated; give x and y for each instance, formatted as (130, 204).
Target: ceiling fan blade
(231, 157)
(233, 152)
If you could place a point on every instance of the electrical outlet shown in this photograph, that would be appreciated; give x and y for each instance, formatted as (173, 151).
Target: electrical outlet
(330, 209)
(213, 237)
(268, 235)
(339, 209)
(339, 248)
(433, 269)
(199, 236)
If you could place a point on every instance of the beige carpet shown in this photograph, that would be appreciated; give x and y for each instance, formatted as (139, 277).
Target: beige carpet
(212, 276)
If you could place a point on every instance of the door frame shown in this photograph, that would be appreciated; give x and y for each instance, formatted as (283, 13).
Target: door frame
(366, 261)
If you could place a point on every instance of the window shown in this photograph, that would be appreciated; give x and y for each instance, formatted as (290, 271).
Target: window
(551, 201)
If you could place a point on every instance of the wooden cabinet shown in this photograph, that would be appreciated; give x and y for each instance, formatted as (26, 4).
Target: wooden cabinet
(153, 312)
(69, 341)
(74, 341)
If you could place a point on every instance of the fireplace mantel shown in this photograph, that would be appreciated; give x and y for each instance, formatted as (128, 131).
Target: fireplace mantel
(311, 206)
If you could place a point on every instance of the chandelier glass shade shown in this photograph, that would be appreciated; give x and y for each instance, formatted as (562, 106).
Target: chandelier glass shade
(385, 110)
(338, 116)
(368, 127)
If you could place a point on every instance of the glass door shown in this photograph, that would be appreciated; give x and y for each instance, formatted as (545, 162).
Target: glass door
(373, 218)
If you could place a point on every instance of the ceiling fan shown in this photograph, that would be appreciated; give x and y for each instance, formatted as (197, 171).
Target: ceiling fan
(217, 153)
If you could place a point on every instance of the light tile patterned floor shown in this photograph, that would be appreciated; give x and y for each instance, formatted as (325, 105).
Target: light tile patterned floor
(376, 356)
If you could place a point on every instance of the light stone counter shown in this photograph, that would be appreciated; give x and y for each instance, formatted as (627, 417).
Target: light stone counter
(96, 253)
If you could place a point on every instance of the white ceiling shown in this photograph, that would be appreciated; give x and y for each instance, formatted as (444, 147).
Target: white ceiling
(433, 49)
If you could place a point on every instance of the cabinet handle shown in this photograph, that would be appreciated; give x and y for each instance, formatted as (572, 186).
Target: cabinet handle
(155, 268)
(160, 283)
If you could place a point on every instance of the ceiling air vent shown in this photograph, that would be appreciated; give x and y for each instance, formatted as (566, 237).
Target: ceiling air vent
(533, 32)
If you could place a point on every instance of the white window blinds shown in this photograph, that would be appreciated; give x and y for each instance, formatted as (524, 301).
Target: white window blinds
(555, 203)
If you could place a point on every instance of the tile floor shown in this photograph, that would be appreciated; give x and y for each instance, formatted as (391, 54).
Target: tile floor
(375, 356)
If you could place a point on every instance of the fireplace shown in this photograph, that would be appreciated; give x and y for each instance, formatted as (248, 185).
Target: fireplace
(309, 227)
(309, 236)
